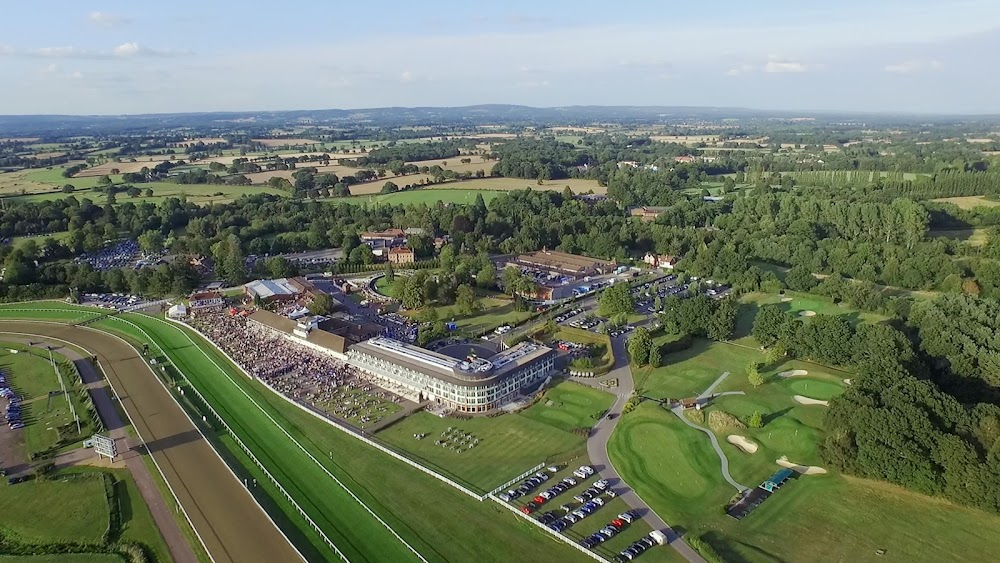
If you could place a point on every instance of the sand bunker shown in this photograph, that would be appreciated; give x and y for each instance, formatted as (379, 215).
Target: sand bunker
(786, 299)
(807, 313)
(848, 382)
(793, 373)
(742, 443)
(803, 469)
(809, 401)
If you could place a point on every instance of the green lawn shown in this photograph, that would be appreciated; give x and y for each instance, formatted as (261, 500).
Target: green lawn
(55, 510)
(47, 419)
(440, 522)
(494, 312)
(45, 184)
(689, 372)
(975, 237)
(137, 523)
(569, 406)
(798, 302)
(64, 558)
(826, 517)
(427, 196)
(509, 444)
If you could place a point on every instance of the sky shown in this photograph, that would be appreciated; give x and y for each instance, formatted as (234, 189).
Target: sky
(117, 57)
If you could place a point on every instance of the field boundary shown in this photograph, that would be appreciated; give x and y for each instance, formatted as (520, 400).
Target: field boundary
(347, 431)
(283, 431)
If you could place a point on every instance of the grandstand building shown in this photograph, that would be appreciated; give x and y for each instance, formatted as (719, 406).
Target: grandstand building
(471, 385)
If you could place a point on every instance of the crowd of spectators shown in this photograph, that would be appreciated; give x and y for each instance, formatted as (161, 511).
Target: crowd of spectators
(297, 371)
(399, 327)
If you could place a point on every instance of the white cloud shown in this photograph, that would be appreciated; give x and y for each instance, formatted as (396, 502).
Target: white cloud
(913, 66)
(778, 65)
(740, 70)
(127, 49)
(55, 52)
(406, 76)
(51, 68)
(76, 75)
(105, 19)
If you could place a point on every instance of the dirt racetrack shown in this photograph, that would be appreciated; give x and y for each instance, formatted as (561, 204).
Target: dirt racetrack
(230, 523)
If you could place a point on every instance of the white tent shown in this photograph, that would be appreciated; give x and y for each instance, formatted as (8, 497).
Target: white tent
(177, 311)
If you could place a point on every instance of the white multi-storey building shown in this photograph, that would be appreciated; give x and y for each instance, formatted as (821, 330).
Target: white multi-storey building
(474, 385)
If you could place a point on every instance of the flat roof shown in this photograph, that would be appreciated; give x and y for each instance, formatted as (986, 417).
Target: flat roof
(459, 372)
(270, 288)
(282, 324)
(562, 260)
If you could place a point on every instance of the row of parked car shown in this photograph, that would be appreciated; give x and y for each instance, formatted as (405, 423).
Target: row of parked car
(548, 494)
(526, 487)
(609, 531)
(13, 408)
(568, 315)
(655, 537)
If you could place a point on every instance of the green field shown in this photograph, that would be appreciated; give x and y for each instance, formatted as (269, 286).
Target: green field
(47, 419)
(439, 522)
(823, 517)
(55, 510)
(494, 312)
(509, 444)
(797, 302)
(425, 196)
(974, 237)
(570, 406)
(64, 558)
(45, 184)
(813, 518)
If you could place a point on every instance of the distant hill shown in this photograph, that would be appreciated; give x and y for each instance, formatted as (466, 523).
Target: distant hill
(14, 125)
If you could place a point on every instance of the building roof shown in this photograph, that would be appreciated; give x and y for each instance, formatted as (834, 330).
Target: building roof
(388, 233)
(645, 209)
(318, 337)
(564, 261)
(206, 295)
(458, 372)
(271, 288)
(400, 250)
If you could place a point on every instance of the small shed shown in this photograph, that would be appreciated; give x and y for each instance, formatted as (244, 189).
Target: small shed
(177, 311)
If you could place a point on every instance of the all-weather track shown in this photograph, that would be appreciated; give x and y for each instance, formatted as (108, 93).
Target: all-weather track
(224, 514)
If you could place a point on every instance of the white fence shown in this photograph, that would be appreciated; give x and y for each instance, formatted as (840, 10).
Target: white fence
(243, 447)
(558, 536)
(518, 478)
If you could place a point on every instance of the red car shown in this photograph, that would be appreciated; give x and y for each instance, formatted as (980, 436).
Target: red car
(617, 523)
(539, 499)
(528, 508)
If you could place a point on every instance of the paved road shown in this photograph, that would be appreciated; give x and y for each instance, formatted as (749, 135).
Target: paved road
(597, 449)
(226, 517)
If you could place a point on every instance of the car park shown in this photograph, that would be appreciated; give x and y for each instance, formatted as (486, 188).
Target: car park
(584, 471)
(627, 516)
(602, 484)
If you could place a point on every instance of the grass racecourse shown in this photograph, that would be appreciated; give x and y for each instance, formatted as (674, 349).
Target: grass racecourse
(418, 517)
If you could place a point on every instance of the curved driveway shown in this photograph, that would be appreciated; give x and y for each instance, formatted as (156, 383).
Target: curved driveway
(228, 520)
(597, 449)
